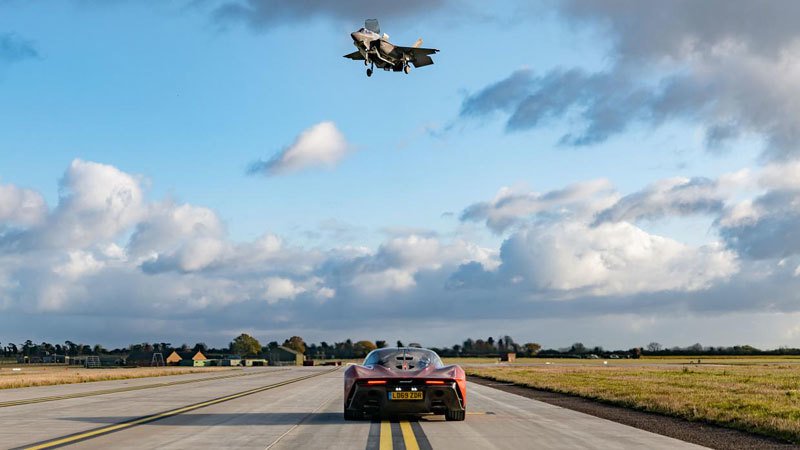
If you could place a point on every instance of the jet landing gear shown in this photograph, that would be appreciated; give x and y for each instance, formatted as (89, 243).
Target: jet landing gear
(370, 69)
(407, 69)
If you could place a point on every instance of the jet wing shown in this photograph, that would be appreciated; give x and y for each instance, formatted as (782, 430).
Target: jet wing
(355, 55)
(419, 56)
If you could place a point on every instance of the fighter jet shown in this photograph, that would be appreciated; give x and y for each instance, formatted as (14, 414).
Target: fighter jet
(376, 50)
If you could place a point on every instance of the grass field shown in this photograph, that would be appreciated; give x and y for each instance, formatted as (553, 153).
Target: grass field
(760, 395)
(32, 375)
(651, 360)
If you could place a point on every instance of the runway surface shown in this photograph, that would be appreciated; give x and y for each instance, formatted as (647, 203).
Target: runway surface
(271, 408)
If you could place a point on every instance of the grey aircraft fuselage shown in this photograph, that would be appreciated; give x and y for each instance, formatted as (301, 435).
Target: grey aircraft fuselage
(376, 50)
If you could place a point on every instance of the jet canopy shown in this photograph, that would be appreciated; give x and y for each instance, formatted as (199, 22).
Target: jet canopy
(372, 25)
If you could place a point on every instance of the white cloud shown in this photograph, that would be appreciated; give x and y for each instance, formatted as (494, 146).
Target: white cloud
(509, 207)
(172, 267)
(711, 63)
(322, 145)
(679, 196)
(610, 259)
(97, 202)
(281, 289)
(80, 263)
(21, 206)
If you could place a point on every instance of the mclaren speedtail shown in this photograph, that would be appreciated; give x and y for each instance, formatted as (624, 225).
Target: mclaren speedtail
(404, 381)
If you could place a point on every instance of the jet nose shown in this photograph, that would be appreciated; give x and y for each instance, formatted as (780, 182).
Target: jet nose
(355, 35)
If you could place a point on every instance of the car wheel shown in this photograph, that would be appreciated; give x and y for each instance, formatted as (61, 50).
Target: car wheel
(455, 415)
(352, 415)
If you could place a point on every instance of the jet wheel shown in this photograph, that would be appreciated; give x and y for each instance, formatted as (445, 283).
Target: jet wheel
(407, 69)
(369, 72)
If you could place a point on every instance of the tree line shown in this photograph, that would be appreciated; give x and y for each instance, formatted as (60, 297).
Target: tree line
(246, 345)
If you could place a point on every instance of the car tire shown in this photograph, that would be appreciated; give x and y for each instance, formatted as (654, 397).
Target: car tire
(452, 415)
(352, 415)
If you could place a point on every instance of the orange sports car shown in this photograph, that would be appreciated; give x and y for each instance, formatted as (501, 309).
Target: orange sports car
(404, 381)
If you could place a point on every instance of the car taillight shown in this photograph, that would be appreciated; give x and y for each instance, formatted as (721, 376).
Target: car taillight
(376, 381)
(434, 382)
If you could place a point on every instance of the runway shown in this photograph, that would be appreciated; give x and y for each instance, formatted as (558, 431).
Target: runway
(271, 408)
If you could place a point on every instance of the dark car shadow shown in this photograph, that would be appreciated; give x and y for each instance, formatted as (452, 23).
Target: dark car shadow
(255, 419)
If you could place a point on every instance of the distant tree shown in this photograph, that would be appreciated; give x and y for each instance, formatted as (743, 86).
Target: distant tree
(245, 345)
(400, 343)
(273, 345)
(295, 343)
(380, 344)
(696, 348)
(163, 347)
(184, 347)
(510, 344)
(577, 348)
(98, 349)
(200, 347)
(361, 348)
(47, 348)
(532, 348)
(654, 347)
(456, 349)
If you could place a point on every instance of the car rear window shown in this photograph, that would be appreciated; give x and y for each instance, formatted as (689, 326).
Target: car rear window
(403, 358)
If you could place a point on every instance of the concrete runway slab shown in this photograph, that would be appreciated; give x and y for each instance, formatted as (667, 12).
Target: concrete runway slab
(308, 414)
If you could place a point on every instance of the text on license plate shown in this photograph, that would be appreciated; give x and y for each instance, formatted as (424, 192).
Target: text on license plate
(405, 395)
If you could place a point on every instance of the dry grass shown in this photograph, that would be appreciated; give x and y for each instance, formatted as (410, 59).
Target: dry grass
(762, 397)
(652, 360)
(51, 375)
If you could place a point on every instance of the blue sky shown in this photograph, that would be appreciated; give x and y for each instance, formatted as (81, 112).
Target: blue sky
(171, 99)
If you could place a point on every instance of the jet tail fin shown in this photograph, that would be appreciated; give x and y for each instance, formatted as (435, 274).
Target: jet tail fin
(417, 44)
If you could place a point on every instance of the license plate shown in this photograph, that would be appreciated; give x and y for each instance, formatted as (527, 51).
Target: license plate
(405, 395)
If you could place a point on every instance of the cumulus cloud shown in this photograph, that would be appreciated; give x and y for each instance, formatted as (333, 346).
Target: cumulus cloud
(20, 206)
(322, 145)
(509, 207)
(96, 202)
(672, 197)
(139, 261)
(727, 66)
(612, 259)
(14, 48)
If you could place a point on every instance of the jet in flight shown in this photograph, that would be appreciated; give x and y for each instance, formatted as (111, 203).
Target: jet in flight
(376, 50)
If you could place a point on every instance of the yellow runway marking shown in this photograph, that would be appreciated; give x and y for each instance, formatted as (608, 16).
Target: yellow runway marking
(408, 435)
(120, 426)
(386, 435)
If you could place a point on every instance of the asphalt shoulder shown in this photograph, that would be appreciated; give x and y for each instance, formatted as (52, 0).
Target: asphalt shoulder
(699, 433)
